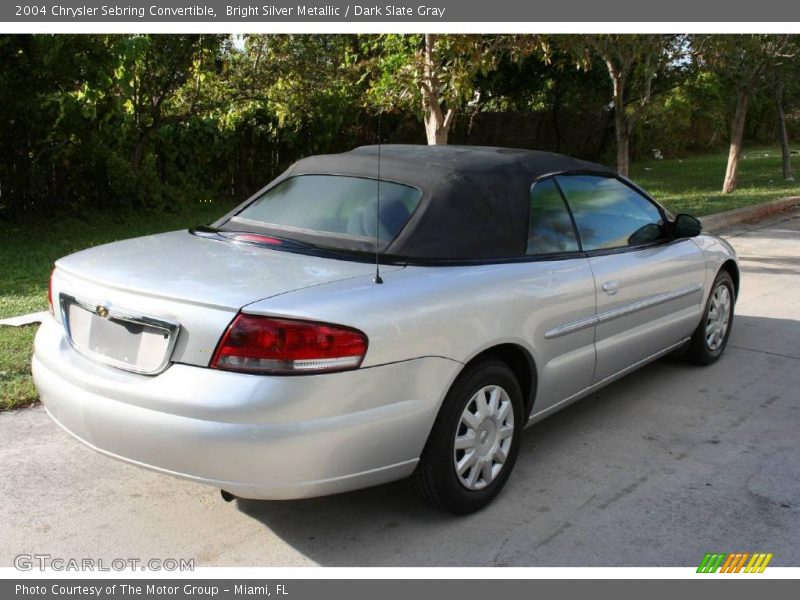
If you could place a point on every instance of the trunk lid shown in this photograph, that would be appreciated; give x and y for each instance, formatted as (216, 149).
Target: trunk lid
(198, 270)
(140, 304)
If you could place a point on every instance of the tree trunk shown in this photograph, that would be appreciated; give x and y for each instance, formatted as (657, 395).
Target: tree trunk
(554, 113)
(437, 121)
(137, 154)
(788, 174)
(623, 144)
(437, 126)
(621, 126)
(737, 134)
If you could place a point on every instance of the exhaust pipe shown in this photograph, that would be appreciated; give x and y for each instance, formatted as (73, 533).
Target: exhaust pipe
(227, 496)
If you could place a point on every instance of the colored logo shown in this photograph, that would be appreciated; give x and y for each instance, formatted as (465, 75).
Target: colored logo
(737, 562)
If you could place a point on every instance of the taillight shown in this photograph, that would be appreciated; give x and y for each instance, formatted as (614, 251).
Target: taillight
(50, 293)
(258, 344)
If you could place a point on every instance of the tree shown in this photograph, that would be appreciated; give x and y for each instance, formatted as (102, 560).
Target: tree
(633, 62)
(783, 136)
(155, 122)
(742, 61)
(160, 79)
(300, 77)
(433, 75)
(784, 76)
(37, 138)
(541, 100)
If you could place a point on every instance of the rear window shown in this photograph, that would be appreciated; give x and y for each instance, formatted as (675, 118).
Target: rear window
(333, 210)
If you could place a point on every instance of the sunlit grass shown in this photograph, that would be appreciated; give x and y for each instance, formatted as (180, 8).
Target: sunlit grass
(16, 386)
(692, 185)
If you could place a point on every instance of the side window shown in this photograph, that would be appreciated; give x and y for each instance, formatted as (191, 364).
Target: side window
(550, 228)
(610, 214)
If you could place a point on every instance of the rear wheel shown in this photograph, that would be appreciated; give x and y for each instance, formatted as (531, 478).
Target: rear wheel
(474, 442)
(711, 336)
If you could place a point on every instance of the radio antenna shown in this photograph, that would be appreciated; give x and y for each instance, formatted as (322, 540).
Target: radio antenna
(378, 278)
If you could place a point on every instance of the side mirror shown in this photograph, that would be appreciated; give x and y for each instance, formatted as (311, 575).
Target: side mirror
(686, 226)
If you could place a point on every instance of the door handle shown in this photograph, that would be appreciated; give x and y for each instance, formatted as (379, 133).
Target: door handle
(611, 287)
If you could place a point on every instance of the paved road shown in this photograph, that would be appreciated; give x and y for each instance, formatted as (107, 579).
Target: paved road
(657, 469)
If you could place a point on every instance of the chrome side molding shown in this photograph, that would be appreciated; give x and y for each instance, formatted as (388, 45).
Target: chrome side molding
(621, 311)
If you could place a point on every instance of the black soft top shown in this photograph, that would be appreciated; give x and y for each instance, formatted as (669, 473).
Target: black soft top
(475, 200)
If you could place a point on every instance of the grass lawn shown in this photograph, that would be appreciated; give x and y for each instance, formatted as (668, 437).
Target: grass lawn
(28, 250)
(692, 185)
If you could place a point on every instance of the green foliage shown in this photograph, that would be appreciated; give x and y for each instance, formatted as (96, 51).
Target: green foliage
(392, 68)
(102, 122)
(432, 76)
(741, 60)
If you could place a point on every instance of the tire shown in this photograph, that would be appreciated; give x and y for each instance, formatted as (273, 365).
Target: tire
(435, 479)
(705, 348)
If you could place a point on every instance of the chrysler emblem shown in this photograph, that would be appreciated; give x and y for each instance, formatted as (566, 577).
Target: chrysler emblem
(101, 311)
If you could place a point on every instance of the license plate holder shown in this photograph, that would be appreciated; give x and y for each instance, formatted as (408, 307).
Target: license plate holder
(118, 337)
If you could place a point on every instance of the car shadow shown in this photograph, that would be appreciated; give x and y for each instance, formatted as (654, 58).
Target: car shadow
(570, 470)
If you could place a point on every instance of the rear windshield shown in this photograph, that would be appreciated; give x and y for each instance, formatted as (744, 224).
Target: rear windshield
(331, 210)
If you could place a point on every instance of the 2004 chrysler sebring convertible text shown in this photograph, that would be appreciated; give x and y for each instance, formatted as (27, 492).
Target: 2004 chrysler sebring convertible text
(261, 356)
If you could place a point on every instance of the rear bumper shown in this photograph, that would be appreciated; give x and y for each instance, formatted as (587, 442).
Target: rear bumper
(254, 436)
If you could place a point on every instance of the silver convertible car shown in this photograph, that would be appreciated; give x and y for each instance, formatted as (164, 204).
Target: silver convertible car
(374, 315)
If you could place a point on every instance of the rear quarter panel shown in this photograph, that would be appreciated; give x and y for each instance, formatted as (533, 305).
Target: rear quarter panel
(457, 312)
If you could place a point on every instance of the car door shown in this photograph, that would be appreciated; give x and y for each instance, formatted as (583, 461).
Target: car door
(561, 305)
(648, 286)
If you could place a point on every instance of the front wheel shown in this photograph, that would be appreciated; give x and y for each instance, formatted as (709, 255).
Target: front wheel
(711, 336)
(474, 442)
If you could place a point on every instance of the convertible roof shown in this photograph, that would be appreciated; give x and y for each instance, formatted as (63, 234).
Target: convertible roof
(421, 163)
(475, 200)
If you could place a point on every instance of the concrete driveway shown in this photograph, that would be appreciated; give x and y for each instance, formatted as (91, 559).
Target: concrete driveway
(670, 463)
